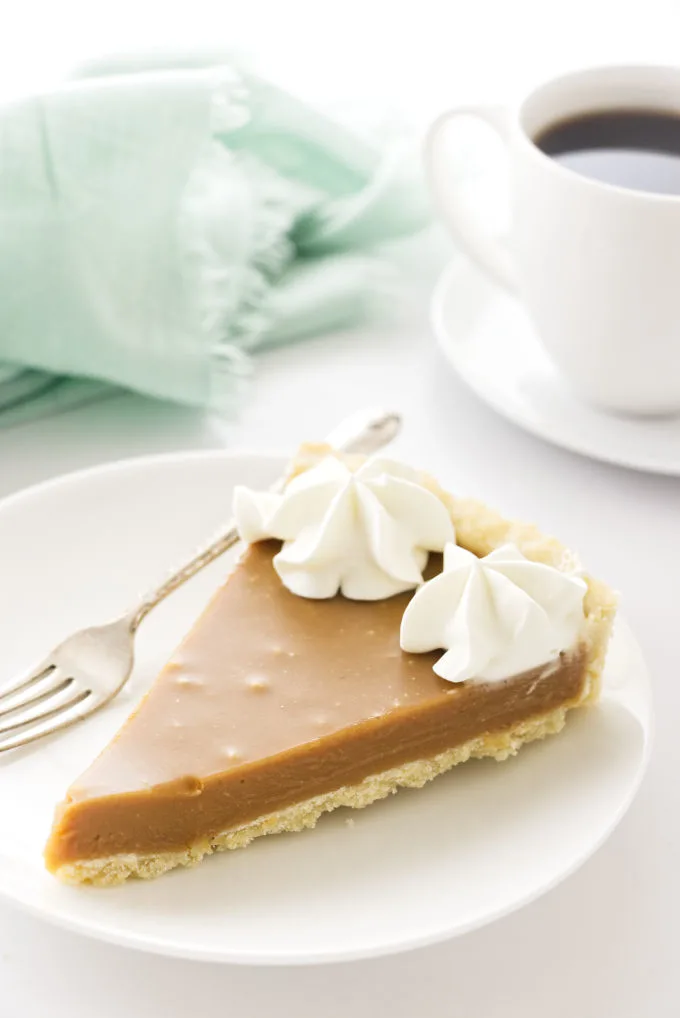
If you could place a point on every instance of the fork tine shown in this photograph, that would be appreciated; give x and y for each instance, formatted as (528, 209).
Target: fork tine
(63, 718)
(21, 682)
(32, 691)
(46, 707)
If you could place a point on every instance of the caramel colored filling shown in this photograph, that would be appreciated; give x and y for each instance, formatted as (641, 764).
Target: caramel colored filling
(273, 699)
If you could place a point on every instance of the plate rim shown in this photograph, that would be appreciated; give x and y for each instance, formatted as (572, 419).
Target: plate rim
(61, 918)
(146, 459)
(446, 343)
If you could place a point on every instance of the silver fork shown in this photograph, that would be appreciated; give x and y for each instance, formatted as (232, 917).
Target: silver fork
(90, 668)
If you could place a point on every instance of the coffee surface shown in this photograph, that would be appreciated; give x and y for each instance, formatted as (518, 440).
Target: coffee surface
(633, 148)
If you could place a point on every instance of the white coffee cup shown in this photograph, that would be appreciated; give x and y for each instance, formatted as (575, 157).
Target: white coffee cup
(597, 265)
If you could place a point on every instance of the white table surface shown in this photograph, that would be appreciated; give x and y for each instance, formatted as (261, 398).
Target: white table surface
(603, 945)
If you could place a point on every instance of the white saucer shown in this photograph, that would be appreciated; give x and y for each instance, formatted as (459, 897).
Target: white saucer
(425, 865)
(488, 338)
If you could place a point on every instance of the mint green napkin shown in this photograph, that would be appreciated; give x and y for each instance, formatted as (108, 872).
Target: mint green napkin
(162, 219)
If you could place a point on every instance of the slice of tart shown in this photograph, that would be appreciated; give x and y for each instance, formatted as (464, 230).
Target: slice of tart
(335, 665)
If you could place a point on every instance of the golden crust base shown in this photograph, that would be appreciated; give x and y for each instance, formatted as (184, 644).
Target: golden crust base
(480, 530)
(117, 868)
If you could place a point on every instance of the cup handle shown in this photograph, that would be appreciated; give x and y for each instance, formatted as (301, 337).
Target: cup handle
(490, 253)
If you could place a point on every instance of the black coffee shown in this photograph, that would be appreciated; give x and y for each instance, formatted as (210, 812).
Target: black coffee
(638, 149)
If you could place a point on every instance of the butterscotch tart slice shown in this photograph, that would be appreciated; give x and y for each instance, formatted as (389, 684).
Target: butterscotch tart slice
(293, 693)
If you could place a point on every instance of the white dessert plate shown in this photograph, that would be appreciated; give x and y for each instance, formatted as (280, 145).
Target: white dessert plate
(425, 865)
(487, 337)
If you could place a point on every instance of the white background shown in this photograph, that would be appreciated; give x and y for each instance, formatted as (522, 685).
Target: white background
(603, 944)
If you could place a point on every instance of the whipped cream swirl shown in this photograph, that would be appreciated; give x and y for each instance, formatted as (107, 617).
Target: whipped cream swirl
(366, 534)
(495, 617)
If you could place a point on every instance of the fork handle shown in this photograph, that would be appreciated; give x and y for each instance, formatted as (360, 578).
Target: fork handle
(362, 433)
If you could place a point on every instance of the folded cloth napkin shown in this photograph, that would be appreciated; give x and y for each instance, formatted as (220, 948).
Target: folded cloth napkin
(160, 219)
